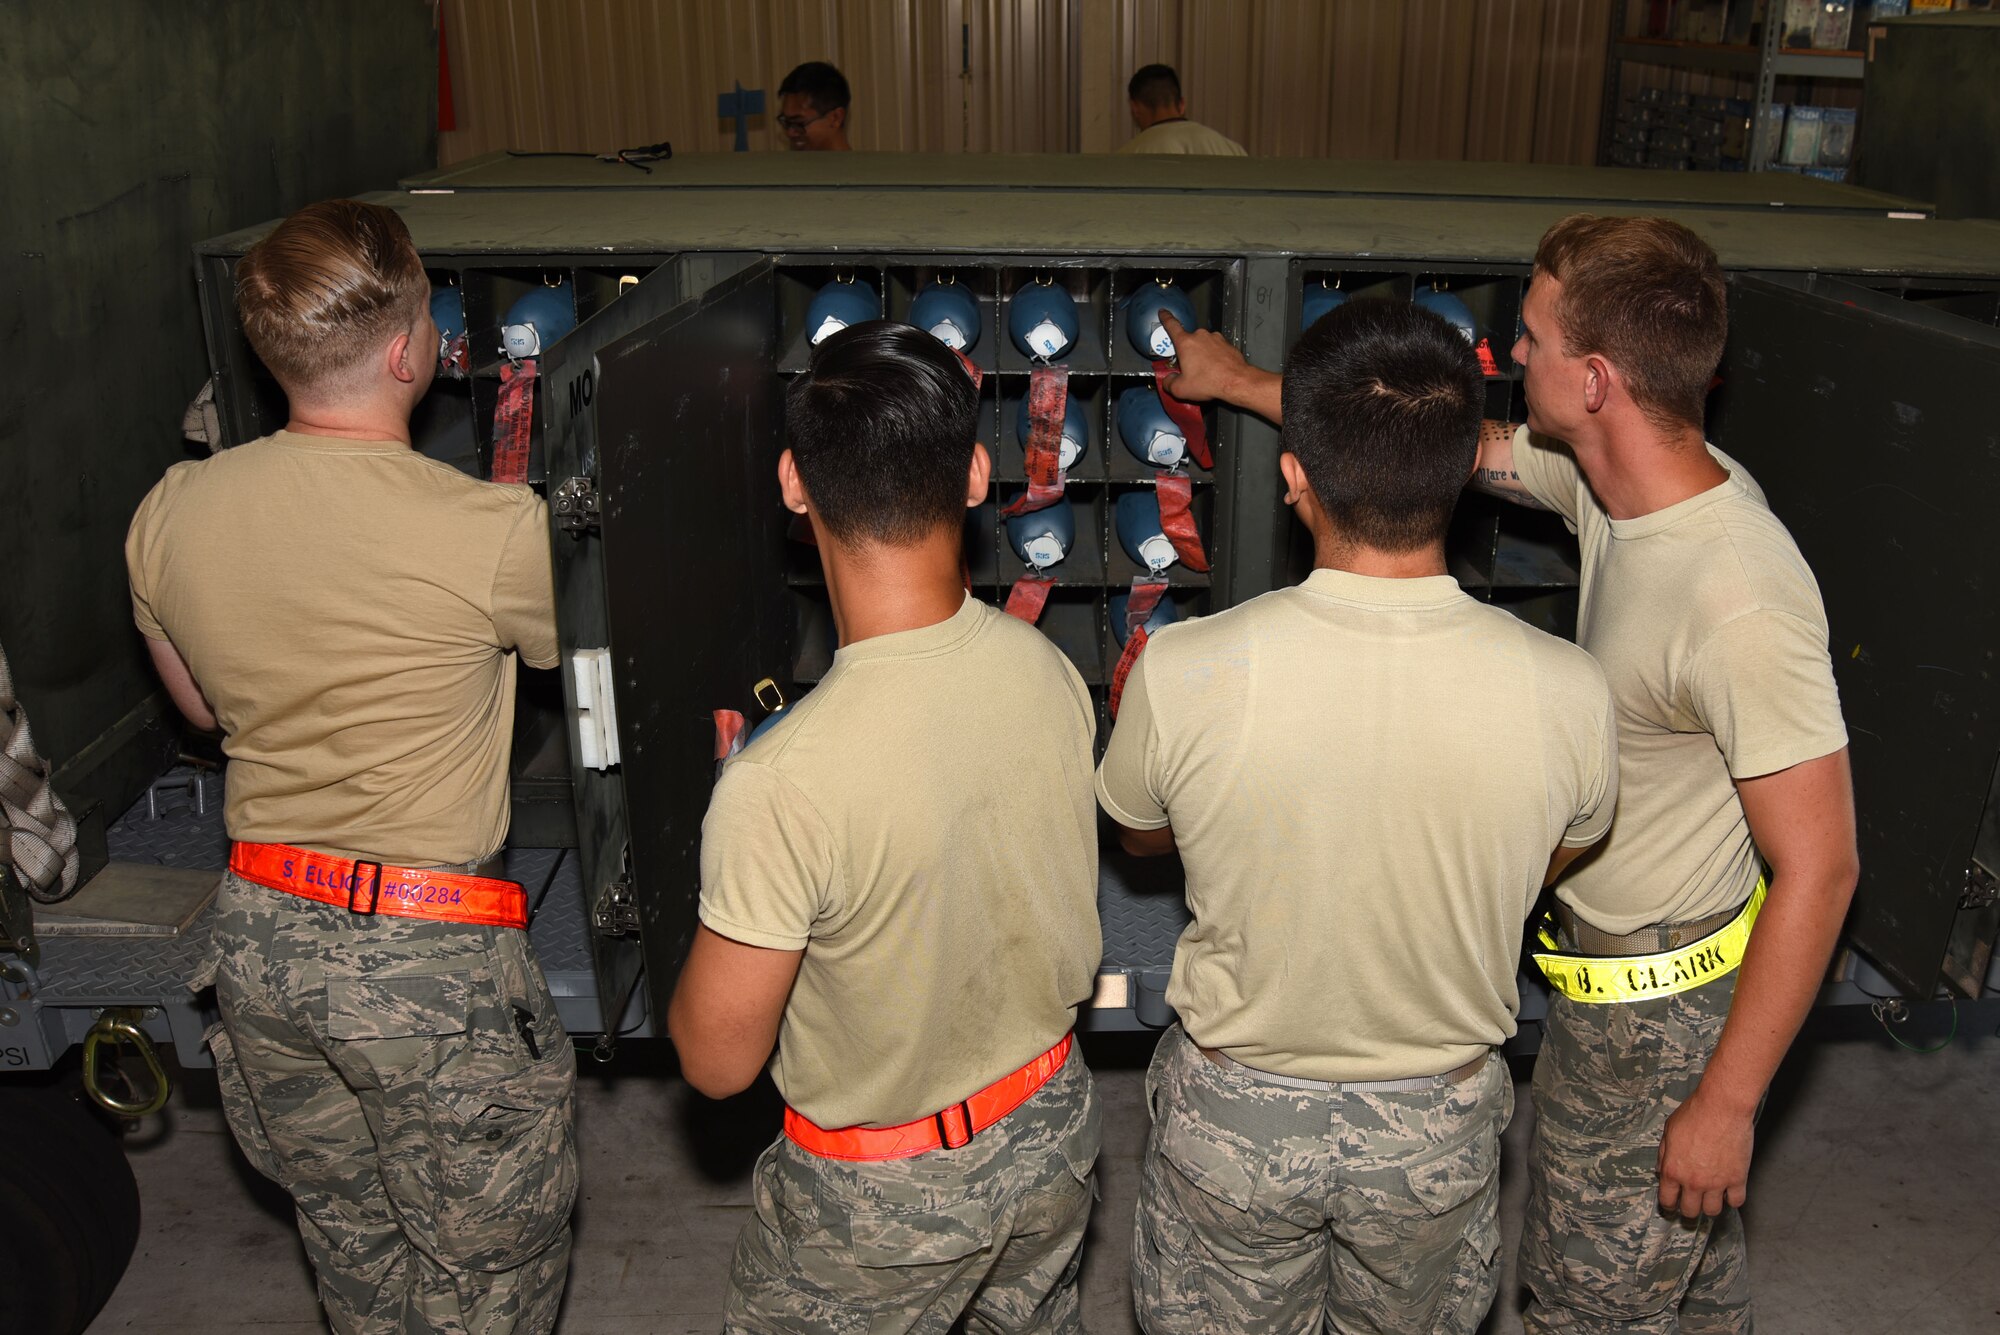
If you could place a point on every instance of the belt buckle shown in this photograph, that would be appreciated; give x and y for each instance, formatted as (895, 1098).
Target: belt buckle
(354, 888)
(964, 1107)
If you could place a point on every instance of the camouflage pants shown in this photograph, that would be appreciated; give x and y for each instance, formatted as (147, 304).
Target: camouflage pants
(378, 1070)
(1597, 1252)
(1271, 1209)
(991, 1231)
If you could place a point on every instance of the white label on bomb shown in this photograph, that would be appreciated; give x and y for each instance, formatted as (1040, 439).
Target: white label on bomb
(828, 327)
(519, 340)
(1158, 552)
(1071, 448)
(947, 333)
(1043, 550)
(1166, 449)
(1162, 341)
(1047, 339)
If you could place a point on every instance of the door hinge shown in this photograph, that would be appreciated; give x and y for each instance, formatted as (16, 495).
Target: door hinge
(616, 912)
(576, 506)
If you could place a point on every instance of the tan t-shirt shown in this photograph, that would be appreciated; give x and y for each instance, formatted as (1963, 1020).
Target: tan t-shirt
(348, 608)
(920, 825)
(1182, 137)
(1709, 626)
(1366, 778)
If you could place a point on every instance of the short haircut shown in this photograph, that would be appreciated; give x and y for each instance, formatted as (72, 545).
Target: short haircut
(328, 287)
(1382, 401)
(1648, 296)
(820, 83)
(881, 426)
(1155, 86)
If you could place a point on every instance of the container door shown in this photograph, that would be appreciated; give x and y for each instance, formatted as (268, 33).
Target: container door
(1869, 422)
(663, 443)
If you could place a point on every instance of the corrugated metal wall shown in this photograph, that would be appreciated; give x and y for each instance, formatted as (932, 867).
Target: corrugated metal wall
(1502, 80)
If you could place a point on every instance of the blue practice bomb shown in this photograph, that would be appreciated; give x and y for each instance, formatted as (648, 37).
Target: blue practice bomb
(948, 312)
(842, 302)
(1163, 615)
(1453, 308)
(1041, 319)
(1075, 435)
(1142, 318)
(1152, 436)
(1316, 301)
(538, 321)
(1140, 533)
(1042, 538)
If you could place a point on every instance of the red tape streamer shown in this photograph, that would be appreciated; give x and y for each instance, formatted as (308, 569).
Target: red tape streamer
(1186, 416)
(729, 730)
(1139, 608)
(1048, 396)
(1177, 520)
(1487, 366)
(978, 376)
(1028, 597)
(513, 421)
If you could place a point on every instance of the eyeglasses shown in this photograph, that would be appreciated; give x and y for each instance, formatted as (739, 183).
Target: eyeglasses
(793, 124)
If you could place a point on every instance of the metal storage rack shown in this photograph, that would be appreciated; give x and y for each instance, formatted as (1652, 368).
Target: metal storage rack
(658, 422)
(1761, 65)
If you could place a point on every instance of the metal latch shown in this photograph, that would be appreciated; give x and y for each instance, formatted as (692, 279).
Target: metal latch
(616, 912)
(575, 504)
(596, 709)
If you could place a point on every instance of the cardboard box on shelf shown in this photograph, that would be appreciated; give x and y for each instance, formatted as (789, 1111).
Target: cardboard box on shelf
(1802, 131)
(1836, 137)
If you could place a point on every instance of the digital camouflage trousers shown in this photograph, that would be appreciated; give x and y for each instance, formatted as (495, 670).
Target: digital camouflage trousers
(1597, 1252)
(1272, 1209)
(991, 1231)
(410, 1084)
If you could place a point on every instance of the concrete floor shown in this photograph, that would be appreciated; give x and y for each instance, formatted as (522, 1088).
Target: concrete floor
(1875, 1204)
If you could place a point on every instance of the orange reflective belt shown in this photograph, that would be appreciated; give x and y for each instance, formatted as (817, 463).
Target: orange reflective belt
(950, 1129)
(368, 888)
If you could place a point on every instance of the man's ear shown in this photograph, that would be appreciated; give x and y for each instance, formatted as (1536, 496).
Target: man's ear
(978, 477)
(1597, 380)
(837, 118)
(790, 485)
(401, 360)
(1299, 493)
(1294, 473)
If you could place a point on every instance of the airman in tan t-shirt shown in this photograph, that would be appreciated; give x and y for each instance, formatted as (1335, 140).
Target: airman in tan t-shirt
(1709, 626)
(362, 666)
(1369, 778)
(921, 825)
(899, 896)
(1363, 832)
(348, 614)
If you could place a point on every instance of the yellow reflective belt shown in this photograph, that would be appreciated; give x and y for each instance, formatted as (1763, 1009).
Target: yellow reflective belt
(1594, 978)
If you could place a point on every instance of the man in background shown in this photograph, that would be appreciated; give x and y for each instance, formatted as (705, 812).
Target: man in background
(812, 108)
(1159, 109)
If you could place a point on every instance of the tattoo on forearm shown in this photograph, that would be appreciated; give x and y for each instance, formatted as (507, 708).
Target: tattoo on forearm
(1505, 482)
